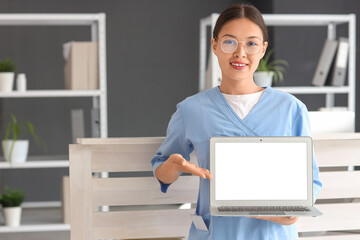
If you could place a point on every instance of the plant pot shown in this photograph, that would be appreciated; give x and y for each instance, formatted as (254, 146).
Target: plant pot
(19, 151)
(6, 81)
(12, 216)
(263, 79)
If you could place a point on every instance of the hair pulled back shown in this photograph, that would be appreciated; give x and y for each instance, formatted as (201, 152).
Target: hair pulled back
(238, 11)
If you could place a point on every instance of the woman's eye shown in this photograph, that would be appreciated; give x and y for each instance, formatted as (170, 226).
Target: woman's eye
(229, 42)
(252, 44)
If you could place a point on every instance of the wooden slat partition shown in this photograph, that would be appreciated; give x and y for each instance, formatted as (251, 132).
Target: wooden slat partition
(339, 184)
(125, 155)
(336, 150)
(134, 155)
(337, 217)
(332, 153)
(131, 191)
(149, 224)
(333, 237)
(126, 140)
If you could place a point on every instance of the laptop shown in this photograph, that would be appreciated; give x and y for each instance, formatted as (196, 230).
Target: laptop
(262, 176)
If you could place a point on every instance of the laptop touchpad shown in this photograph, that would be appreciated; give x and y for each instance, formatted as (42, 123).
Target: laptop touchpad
(267, 213)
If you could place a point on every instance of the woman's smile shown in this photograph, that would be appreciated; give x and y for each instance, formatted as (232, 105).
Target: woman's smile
(238, 65)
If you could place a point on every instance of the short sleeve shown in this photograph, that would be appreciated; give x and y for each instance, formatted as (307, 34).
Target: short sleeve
(175, 142)
(301, 127)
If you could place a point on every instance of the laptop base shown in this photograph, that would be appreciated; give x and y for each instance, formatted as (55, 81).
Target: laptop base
(312, 213)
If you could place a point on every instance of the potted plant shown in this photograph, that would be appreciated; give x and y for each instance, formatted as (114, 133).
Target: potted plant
(267, 71)
(11, 202)
(7, 69)
(16, 150)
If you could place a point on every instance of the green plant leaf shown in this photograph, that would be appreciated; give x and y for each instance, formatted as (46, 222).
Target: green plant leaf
(7, 66)
(15, 128)
(12, 198)
(277, 66)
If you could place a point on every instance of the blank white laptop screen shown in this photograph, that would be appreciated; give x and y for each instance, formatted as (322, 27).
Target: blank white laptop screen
(260, 171)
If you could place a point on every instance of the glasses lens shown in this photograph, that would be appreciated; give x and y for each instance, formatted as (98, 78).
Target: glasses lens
(252, 46)
(229, 45)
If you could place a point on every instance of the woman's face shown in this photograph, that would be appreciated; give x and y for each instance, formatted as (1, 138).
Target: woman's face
(239, 65)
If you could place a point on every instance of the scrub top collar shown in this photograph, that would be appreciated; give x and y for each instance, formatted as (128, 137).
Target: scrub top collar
(224, 107)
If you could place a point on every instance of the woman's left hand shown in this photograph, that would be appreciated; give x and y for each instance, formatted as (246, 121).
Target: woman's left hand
(280, 220)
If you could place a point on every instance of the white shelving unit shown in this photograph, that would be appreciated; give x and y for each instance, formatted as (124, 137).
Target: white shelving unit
(326, 20)
(99, 101)
(51, 93)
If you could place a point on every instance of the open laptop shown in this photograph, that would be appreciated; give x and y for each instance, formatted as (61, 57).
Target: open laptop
(262, 176)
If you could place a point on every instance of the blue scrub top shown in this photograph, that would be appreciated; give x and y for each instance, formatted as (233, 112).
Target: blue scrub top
(208, 114)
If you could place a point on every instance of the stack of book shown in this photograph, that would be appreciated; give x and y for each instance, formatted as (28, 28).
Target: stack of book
(331, 68)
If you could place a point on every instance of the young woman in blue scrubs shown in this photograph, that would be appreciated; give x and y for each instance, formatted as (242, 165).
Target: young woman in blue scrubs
(238, 107)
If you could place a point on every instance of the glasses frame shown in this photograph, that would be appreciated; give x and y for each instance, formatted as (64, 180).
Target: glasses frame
(237, 46)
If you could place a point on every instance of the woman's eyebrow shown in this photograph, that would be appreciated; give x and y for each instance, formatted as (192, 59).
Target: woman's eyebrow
(229, 35)
(254, 37)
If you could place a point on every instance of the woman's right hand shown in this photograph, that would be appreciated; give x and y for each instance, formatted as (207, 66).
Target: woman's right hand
(169, 171)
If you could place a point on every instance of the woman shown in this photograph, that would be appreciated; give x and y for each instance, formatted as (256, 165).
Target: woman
(238, 107)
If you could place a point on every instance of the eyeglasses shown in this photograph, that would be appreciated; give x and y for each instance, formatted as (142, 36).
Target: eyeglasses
(251, 47)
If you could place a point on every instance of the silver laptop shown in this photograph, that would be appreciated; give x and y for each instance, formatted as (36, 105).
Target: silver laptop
(262, 176)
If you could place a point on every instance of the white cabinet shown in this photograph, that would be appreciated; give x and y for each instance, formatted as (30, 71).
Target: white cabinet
(325, 20)
(98, 97)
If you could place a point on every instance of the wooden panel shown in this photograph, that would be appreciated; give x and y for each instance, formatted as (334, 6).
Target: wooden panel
(120, 140)
(123, 157)
(65, 197)
(336, 136)
(337, 217)
(143, 191)
(134, 157)
(145, 224)
(337, 152)
(80, 193)
(340, 185)
(336, 237)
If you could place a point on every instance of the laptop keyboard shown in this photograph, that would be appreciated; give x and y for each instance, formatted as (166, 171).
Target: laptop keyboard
(262, 209)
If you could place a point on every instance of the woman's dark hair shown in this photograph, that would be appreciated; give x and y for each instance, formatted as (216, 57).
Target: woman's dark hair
(241, 11)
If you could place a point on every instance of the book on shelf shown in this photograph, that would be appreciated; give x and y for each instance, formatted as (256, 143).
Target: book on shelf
(77, 124)
(82, 67)
(338, 75)
(325, 61)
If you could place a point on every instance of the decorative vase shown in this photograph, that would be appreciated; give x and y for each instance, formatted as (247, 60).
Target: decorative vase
(21, 82)
(6, 81)
(263, 79)
(19, 151)
(12, 216)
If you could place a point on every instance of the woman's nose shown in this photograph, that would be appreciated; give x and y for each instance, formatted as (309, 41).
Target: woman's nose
(240, 51)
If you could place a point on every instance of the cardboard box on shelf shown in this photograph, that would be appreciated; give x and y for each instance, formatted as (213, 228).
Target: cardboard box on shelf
(82, 65)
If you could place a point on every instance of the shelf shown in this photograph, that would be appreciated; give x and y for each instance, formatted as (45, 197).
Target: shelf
(55, 161)
(36, 228)
(50, 93)
(297, 19)
(49, 19)
(306, 19)
(36, 164)
(47, 216)
(314, 90)
(38, 221)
